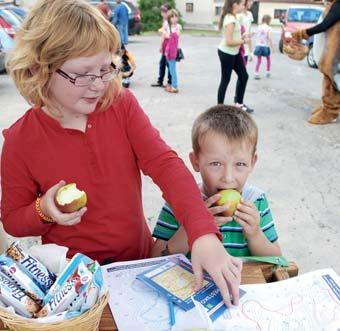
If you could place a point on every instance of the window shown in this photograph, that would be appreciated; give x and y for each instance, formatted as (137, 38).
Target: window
(280, 13)
(305, 15)
(189, 7)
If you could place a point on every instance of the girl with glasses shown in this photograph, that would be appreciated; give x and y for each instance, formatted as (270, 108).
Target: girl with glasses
(83, 128)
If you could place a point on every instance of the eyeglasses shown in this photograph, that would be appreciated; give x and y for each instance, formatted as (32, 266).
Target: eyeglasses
(85, 80)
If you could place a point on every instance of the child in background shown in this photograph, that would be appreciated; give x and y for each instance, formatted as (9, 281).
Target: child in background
(229, 53)
(264, 45)
(246, 19)
(163, 63)
(104, 9)
(172, 32)
(84, 128)
(224, 140)
(128, 66)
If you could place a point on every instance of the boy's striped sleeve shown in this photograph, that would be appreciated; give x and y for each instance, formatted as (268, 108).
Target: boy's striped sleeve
(166, 225)
(266, 219)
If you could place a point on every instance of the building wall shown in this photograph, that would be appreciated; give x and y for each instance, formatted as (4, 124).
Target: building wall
(206, 12)
(202, 14)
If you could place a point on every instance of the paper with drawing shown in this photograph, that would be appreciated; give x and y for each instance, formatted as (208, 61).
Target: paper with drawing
(310, 302)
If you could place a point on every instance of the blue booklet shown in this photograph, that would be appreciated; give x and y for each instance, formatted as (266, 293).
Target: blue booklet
(176, 281)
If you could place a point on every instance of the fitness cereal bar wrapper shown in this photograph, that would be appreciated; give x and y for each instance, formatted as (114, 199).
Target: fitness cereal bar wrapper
(65, 293)
(77, 303)
(89, 297)
(12, 295)
(93, 292)
(14, 272)
(59, 317)
(67, 273)
(32, 267)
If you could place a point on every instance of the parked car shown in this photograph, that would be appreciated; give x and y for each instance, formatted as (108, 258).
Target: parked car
(135, 25)
(14, 2)
(2, 56)
(298, 18)
(20, 12)
(9, 22)
(7, 27)
(6, 44)
(10, 17)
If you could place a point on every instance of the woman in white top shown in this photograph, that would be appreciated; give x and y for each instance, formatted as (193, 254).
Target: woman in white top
(229, 52)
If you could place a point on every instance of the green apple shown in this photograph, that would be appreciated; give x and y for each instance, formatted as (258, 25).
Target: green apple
(69, 199)
(230, 197)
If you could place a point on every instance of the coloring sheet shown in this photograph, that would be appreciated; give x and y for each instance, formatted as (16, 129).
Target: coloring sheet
(309, 302)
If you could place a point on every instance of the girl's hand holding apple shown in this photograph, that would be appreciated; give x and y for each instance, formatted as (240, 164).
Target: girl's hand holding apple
(49, 208)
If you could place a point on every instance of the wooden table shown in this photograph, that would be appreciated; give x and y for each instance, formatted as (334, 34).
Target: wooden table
(252, 273)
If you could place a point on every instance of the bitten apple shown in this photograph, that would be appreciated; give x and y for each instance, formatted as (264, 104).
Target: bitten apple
(230, 197)
(69, 199)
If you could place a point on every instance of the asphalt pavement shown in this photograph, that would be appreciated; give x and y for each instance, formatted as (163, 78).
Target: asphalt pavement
(298, 163)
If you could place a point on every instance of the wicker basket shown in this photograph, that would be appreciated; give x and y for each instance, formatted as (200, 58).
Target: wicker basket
(295, 50)
(88, 321)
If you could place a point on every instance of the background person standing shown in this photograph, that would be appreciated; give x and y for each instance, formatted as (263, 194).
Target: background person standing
(229, 53)
(121, 21)
(163, 63)
(172, 33)
(264, 45)
(246, 19)
(104, 9)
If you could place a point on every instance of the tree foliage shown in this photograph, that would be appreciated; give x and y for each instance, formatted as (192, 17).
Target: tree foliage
(150, 12)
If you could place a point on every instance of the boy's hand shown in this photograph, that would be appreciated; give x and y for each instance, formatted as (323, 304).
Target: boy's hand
(209, 254)
(217, 210)
(248, 217)
(179, 242)
(49, 208)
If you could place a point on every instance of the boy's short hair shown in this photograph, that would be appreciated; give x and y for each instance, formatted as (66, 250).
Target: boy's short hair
(229, 121)
(54, 32)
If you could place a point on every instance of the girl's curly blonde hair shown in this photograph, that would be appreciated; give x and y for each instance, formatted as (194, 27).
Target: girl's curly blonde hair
(56, 31)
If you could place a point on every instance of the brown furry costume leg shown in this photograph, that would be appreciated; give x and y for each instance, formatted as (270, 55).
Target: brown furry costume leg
(329, 64)
(330, 107)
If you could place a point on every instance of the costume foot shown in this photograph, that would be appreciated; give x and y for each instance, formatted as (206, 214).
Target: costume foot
(316, 110)
(322, 117)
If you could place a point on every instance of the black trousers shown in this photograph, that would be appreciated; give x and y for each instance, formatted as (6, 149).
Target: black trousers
(228, 64)
(238, 81)
(162, 66)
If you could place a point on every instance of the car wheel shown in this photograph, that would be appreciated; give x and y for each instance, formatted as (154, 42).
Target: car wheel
(281, 45)
(310, 57)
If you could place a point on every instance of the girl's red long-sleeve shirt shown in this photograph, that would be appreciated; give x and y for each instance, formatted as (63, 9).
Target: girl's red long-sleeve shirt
(105, 161)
